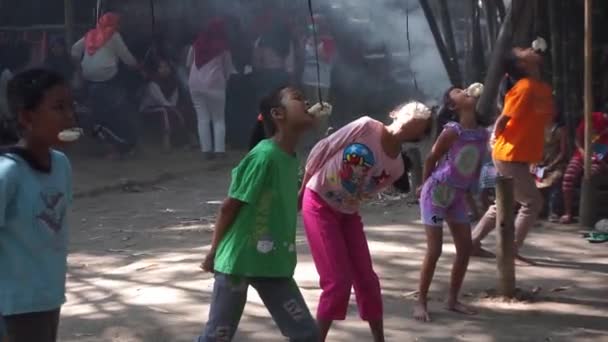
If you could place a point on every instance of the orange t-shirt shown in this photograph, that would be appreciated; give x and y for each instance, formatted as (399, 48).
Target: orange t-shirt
(529, 105)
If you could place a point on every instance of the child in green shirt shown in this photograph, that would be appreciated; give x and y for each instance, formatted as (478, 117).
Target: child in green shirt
(254, 239)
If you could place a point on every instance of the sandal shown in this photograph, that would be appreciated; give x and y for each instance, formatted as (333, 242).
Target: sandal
(566, 219)
(597, 237)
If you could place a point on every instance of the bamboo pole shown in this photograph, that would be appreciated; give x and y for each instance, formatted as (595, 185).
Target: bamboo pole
(587, 191)
(505, 242)
(450, 66)
(492, 21)
(448, 32)
(68, 16)
(502, 11)
(478, 58)
(487, 103)
(556, 56)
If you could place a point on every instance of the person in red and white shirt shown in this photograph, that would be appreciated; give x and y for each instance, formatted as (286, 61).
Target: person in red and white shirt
(574, 171)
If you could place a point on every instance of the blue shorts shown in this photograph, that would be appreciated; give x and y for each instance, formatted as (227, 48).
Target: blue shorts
(440, 201)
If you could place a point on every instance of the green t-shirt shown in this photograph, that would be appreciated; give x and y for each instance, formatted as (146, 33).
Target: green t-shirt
(261, 241)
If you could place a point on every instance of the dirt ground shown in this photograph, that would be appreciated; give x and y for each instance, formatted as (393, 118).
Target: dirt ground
(135, 252)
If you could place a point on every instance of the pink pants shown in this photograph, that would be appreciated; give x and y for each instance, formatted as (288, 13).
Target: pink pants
(341, 255)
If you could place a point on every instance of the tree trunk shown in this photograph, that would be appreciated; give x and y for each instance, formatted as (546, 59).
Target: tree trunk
(448, 32)
(502, 11)
(556, 54)
(487, 103)
(523, 24)
(478, 57)
(450, 66)
(68, 16)
(492, 23)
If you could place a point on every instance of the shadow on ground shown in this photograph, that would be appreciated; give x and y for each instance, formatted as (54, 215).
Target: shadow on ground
(134, 275)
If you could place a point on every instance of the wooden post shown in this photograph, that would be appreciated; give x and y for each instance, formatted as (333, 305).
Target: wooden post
(556, 56)
(68, 16)
(587, 191)
(505, 242)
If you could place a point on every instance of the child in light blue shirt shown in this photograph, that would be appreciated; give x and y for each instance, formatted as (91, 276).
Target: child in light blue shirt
(35, 193)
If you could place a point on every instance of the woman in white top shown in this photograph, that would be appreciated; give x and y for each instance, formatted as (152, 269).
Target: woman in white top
(98, 54)
(210, 63)
(161, 95)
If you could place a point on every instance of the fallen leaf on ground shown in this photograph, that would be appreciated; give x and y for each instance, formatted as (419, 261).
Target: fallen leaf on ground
(561, 289)
(83, 335)
(146, 267)
(412, 293)
(160, 310)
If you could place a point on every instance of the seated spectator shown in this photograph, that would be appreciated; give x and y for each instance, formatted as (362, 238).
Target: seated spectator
(574, 171)
(550, 171)
(161, 96)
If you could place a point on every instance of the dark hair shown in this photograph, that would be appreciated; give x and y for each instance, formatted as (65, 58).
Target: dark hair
(511, 65)
(269, 103)
(26, 90)
(266, 128)
(559, 120)
(446, 112)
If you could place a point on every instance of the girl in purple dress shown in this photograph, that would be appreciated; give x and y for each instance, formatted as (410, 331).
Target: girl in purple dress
(450, 171)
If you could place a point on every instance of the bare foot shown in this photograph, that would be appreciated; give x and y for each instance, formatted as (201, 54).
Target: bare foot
(480, 252)
(421, 314)
(458, 307)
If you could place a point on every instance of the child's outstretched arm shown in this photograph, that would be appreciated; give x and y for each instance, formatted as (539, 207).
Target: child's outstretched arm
(440, 148)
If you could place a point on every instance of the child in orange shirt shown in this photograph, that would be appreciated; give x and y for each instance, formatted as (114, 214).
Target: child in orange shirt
(519, 133)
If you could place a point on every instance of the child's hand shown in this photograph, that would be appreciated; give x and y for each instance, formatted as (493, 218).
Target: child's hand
(320, 110)
(208, 263)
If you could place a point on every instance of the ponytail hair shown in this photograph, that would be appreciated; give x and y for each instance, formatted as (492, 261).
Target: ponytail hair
(447, 113)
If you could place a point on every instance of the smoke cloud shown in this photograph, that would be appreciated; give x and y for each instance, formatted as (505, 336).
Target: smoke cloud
(386, 24)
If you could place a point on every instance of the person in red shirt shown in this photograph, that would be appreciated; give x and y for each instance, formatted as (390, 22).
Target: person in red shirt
(574, 171)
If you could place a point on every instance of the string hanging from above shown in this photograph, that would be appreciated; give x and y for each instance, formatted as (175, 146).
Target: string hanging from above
(152, 50)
